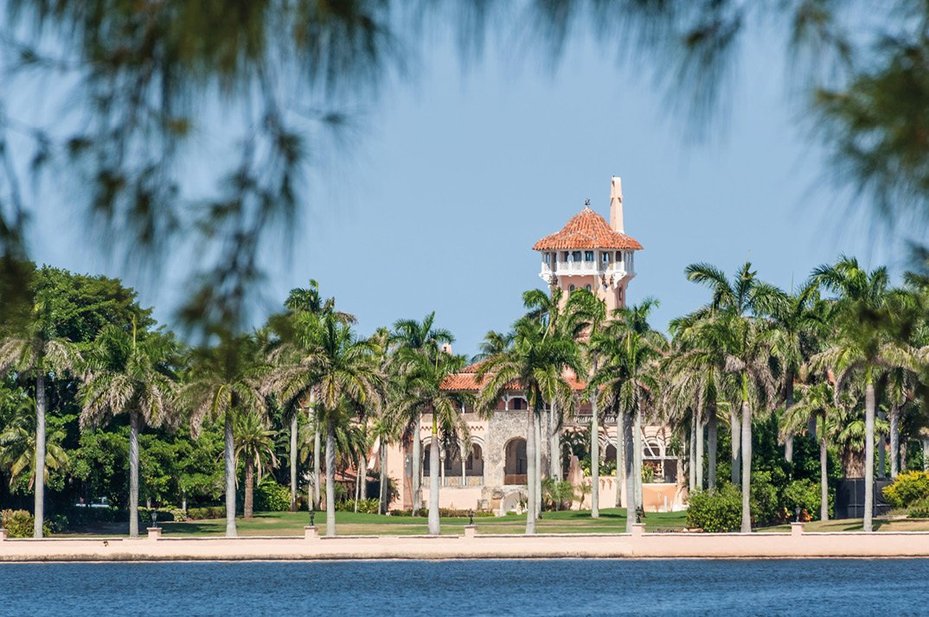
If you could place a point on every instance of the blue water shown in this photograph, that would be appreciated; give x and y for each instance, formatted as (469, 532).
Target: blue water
(471, 588)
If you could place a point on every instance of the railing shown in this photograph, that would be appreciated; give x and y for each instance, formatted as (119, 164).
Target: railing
(459, 482)
(586, 267)
(515, 478)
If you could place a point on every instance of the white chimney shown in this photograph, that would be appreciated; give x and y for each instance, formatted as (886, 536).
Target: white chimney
(616, 204)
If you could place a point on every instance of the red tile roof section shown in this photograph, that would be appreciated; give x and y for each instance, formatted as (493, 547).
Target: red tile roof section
(466, 380)
(587, 230)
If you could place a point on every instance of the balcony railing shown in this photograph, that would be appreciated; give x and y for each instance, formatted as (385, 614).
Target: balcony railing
(459, 482)
(584, 267)
(515, 478)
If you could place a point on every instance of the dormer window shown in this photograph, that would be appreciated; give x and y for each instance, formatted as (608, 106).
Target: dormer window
(588, 256)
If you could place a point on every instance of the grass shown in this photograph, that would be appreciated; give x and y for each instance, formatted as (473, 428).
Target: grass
(612, 520)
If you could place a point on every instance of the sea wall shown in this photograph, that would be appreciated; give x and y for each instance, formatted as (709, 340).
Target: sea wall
(472, 546)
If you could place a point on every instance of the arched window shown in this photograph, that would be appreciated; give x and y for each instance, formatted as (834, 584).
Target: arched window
(588, 288)
(517, 403)
(570, 287)
(516, 462)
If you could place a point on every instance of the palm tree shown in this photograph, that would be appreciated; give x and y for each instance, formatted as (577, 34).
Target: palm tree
(627, 382)
(254, 444)
(307, 302)
(224, 381)
(745, 340)
(342, 369)
(418, 338)
(424, 394)
(799, 319)
(817, 401)
(862, 347)
(125, 373)
(538, 361)
(18, 448)
(35, 355)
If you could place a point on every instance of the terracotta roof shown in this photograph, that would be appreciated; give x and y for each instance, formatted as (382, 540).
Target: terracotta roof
(587, 230)
(466, 380)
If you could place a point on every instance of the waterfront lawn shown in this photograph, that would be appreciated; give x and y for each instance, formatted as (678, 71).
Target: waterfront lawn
(612, 520)
(855, 524)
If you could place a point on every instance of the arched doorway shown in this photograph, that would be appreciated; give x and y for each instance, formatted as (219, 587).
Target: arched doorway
(517, 463)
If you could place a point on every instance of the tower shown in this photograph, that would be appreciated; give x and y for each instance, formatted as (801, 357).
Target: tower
(590, 253)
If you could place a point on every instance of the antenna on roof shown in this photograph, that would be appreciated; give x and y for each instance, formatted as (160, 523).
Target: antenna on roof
(587, 201)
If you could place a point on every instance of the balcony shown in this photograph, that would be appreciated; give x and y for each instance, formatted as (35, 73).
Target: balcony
(583, 268)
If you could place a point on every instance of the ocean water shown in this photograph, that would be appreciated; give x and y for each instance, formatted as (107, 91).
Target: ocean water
(489, 587)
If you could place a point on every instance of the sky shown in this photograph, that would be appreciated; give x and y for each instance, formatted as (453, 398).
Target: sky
(450, 177)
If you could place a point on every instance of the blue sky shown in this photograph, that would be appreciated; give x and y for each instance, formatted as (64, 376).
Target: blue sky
(448, 179)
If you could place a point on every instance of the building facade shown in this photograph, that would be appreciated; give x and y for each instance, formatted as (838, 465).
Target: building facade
(590, 253)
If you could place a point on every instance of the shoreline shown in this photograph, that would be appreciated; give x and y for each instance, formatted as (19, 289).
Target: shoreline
(795, 544)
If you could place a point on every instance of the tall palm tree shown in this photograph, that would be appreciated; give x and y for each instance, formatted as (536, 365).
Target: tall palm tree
(224, 381)
(130, 373)
(425, 395)
(538, 362)
(254, 445)
(627, 382)
(418, 339)
(35, 355)
(862, 347)
(343, 371)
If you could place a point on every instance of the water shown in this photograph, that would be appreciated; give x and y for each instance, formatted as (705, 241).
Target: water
(471, 588)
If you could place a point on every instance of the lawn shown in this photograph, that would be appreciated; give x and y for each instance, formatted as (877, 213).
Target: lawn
(612, 520)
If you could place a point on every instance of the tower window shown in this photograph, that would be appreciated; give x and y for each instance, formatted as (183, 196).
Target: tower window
(588, 255)
(605, 257)
(619, 257)
(564, 256)
(575, 255)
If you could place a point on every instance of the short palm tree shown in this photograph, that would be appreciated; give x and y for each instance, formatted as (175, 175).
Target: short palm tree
(18, 448)
(225, 381)
(130, 373)
(254, 445)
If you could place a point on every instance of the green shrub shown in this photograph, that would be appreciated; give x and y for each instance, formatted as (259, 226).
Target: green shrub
(908, 488)
(365, 506)
(715, 511)
(271, 497)
(802, 495)
(196, 514)
(919, 509)
(20, 524)
(766, 507)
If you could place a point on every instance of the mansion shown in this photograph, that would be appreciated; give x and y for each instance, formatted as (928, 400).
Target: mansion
(588, 252)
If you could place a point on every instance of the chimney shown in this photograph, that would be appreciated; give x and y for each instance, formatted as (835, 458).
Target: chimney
(616, 204)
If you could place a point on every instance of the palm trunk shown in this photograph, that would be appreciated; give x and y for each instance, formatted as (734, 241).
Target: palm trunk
(248, 508)
(925, 443)
(692, 455)
(330, 480)
(789, 402)
(134, 422)
(434, 522)
(629, 465)
(594, 462)
(868, 523)
(746, 467)
(317, 450)
(736, 458)
(416, 468)
(712, 431)
(40, 405)
(637, 459)
(881, 444)
(823, 481)
(293, 463)
(363, 485)
(620, 459)
(531, 447)
(230, 478)
(382, 488)
(894, 441)
(538, 465)
(902, 446)
(699, 452)
(554, 439)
